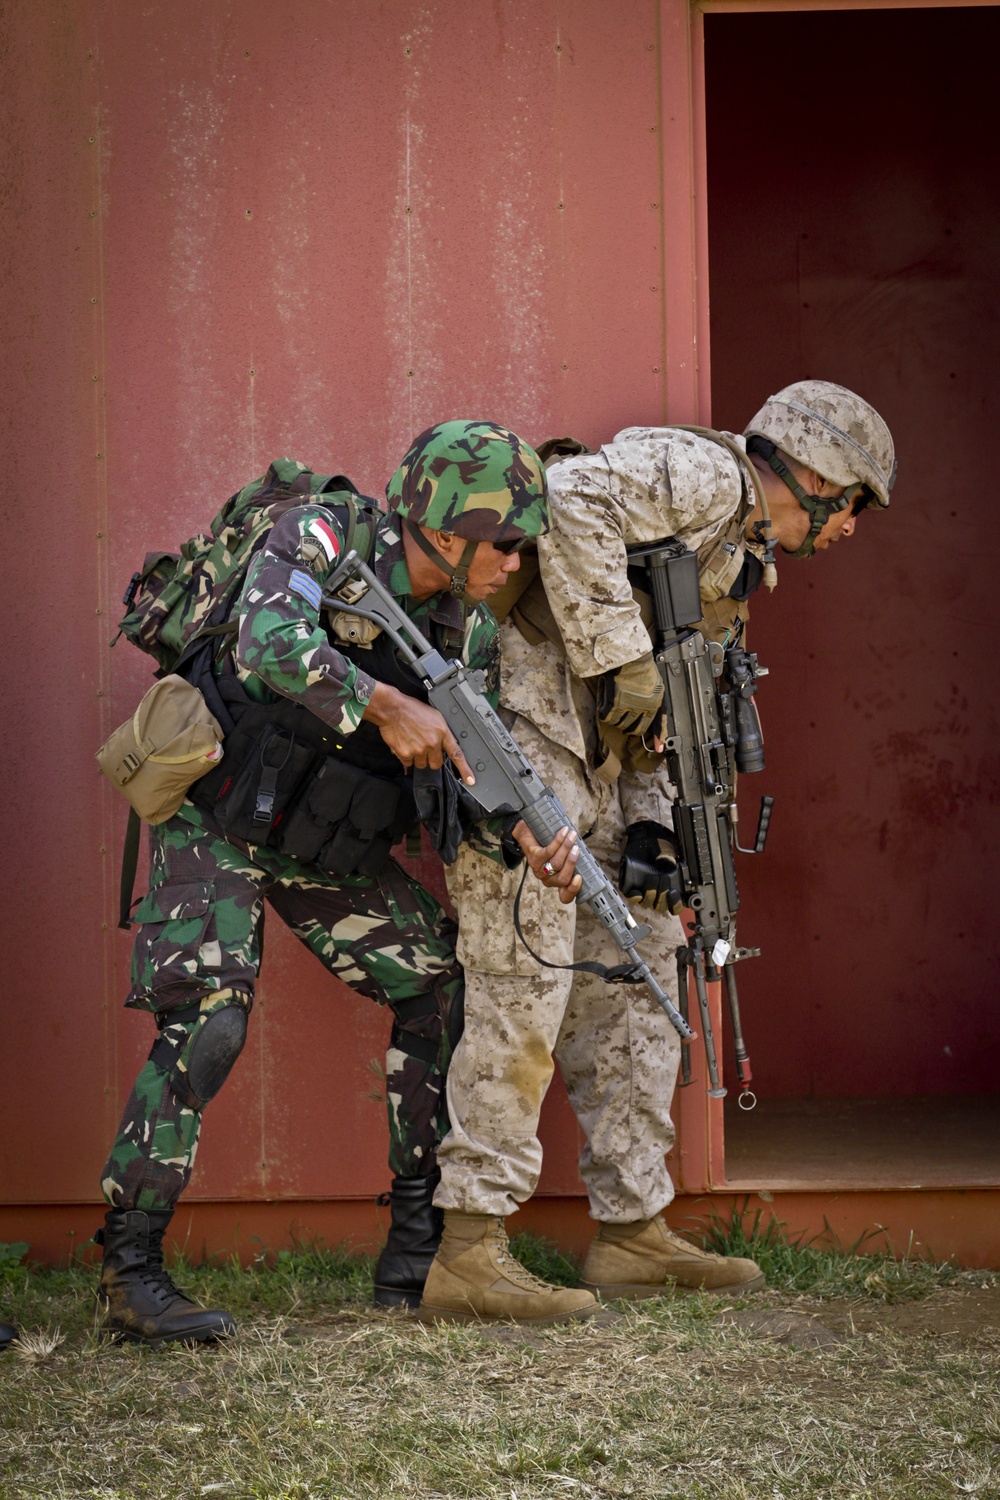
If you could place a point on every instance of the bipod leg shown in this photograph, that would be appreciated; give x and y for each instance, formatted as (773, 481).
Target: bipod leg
(683, 961)
(716, 1091)
(747, 1098)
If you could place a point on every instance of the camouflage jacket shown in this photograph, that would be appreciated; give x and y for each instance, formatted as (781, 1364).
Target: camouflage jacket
(648, 484)
(283, 647)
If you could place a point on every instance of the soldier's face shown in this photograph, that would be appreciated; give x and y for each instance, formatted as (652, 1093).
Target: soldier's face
(841, 523)
(489, 571)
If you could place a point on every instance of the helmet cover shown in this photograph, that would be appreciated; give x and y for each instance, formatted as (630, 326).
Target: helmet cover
(476, 479)
(830, 429)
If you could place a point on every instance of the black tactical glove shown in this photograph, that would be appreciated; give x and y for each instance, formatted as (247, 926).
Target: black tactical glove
(649, 874)
(629, 699)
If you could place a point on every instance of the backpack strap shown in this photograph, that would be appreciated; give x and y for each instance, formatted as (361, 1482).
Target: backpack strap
(130, 861)
(362, 524)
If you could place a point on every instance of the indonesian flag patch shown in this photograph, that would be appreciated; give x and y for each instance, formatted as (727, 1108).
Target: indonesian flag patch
(326, 538)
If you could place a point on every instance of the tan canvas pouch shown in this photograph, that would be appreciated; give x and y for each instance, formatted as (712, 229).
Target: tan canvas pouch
(169, 742)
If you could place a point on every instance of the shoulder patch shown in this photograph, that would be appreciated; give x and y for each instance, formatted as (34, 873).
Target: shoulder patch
(306, 587)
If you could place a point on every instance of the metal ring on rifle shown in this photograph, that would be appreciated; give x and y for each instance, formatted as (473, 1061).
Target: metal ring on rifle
(747, 1100)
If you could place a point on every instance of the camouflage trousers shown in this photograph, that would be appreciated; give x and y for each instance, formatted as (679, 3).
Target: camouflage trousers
(617, 1052)
(197, 950)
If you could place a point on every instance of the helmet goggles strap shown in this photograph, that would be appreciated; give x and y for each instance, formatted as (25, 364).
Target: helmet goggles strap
(818, 507)
(458, 576)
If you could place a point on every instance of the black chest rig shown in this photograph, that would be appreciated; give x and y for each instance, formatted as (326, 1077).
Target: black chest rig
(289, 781)
(381, 660)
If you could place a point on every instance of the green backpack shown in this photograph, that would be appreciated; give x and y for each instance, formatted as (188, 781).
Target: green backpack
(178, 598)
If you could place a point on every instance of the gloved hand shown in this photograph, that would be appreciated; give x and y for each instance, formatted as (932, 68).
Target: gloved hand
(650, 874)
(629, 699)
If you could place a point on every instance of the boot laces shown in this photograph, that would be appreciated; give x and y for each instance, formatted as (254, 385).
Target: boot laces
(686, 1247)
(512, 1267)
(157, 1279)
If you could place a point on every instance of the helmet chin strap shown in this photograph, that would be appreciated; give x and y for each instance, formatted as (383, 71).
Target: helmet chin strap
(819, 508)
(458, 576)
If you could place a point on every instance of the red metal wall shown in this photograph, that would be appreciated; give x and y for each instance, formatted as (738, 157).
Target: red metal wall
(235, 231)
(853, 235)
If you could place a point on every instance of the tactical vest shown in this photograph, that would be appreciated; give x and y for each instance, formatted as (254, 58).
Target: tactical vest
(291, 782)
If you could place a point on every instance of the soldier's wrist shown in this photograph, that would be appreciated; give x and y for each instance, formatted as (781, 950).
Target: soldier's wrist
(383, 701)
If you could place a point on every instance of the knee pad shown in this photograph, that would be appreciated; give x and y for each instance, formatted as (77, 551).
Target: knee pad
(216, 1046)
(207, 1060)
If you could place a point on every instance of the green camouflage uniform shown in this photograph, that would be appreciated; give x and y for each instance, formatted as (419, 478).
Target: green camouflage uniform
(198, 946)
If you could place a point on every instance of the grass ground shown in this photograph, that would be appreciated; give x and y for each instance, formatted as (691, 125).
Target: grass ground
(852, 1376)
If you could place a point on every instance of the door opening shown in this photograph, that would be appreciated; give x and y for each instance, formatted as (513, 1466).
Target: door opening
(853, 232)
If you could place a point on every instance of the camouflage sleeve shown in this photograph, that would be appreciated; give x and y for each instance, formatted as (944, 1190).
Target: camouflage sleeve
(281, 640)
(481, 650)
(650, 483)
(644, 796)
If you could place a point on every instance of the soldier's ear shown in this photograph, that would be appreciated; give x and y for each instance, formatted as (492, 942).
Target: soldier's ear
(447, 543)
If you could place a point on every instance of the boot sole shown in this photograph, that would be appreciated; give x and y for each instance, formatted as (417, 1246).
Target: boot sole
(124, 1336)
(393, 1296)
(450, 1315)
(641, 1291)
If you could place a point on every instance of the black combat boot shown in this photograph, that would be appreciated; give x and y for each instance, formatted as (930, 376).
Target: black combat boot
(8, 1333)
(141, 1302)
(412, 1241)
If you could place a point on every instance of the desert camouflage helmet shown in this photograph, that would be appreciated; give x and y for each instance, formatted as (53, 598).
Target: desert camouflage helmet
(476, 479)
(830, 429)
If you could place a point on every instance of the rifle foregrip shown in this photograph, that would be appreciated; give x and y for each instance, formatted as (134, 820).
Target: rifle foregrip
(545, 817)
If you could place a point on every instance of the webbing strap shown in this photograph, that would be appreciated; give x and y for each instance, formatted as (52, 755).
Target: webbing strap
(458, 575)
(762, 528)
(413, 1045)
(130, 862)
(620, 974)
(818, 509)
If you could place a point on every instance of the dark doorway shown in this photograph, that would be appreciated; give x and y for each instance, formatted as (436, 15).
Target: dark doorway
(854, 222)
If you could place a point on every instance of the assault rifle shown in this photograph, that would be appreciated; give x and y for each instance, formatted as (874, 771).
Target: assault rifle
(506, 781)
(712, 731)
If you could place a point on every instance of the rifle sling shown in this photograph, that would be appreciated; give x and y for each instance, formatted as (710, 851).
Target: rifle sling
(619, 974)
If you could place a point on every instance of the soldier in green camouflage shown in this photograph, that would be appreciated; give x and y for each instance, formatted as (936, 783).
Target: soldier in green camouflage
(465, 498)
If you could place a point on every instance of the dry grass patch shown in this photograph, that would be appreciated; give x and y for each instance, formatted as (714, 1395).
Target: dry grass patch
(787, 1394)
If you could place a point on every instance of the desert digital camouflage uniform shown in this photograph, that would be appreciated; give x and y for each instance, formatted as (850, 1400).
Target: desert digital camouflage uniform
(197, 948)
(616, 1049)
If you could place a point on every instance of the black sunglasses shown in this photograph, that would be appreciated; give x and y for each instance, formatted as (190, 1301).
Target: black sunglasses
(862, 500)
(510, 546)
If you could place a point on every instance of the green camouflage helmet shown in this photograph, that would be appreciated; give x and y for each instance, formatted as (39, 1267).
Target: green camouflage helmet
(476, 479)
(830, 429)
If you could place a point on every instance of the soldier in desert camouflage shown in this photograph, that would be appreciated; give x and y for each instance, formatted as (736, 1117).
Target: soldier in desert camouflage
(465, 498)
(583, 699)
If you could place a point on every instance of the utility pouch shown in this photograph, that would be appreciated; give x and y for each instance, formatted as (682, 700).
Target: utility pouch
(250, 804)
(346, 820)
(169, 743)
(720, 568)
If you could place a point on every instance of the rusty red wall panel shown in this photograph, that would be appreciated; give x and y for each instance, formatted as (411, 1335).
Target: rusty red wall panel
(862, 247)
(234, 231)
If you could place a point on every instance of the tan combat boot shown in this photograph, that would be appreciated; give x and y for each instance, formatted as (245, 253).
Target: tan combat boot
(474, 1278)
(646, 1259)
